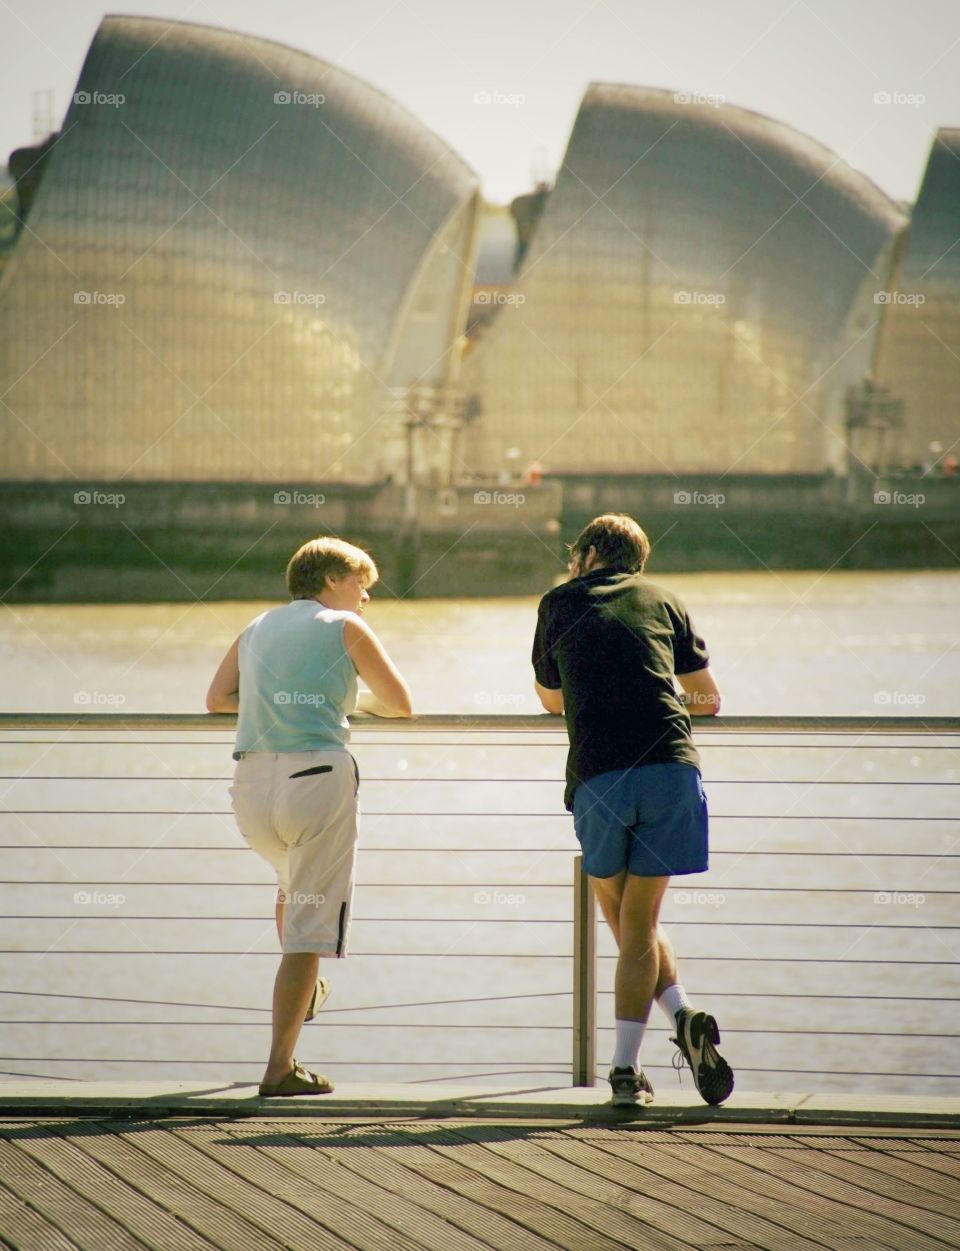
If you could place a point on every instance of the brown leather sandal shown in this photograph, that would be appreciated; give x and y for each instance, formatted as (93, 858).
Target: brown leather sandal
(319, 997)
(299, 1081)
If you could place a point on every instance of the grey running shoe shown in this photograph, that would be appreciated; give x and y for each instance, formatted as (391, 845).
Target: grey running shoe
(629, 1088)
(697, 1036)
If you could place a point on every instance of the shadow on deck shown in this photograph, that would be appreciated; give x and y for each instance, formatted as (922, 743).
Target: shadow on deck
(404, 1184)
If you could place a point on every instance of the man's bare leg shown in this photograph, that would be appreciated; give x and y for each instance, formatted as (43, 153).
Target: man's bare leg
(609, 893)
(669, 973)
(634, 902)
(631, 905)
(712, 1074)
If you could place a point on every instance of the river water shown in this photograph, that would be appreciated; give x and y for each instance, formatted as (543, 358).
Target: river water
(136, 939)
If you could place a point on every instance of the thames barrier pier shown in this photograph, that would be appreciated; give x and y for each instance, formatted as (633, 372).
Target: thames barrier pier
(244, 291)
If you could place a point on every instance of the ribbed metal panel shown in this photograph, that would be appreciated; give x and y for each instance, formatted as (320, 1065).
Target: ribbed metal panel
(264, 251)
(919, 355)
(684, 293)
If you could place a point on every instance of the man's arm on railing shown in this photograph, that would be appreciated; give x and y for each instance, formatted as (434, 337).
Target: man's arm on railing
(551, 699)
(701, 695)
(224, 692)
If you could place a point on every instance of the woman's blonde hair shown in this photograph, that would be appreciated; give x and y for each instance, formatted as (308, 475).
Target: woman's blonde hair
(309, 566)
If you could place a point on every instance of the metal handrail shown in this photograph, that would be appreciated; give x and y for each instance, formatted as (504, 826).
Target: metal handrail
(446, 722)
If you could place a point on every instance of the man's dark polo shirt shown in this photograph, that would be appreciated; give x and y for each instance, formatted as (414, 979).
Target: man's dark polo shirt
(612, 642)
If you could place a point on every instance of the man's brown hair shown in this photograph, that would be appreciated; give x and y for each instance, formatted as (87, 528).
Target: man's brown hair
(619, 542)
(308, 568)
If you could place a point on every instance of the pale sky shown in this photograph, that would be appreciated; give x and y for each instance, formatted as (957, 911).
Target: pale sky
(818, 65)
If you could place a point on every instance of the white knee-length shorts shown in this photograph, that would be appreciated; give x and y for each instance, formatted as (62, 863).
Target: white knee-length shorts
(299, 811)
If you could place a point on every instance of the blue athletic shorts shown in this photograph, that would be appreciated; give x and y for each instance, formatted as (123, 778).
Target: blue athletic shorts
(651, 820)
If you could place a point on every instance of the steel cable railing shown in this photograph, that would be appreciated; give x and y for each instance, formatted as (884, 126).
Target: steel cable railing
(832, 885)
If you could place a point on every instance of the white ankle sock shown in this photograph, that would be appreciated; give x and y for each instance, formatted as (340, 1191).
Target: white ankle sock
(672, 1000)
(629, 1038)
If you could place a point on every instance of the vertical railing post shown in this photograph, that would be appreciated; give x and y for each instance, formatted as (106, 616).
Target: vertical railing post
(584, 979)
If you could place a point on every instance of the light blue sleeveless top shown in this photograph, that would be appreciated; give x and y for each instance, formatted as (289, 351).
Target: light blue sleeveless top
(297, 682)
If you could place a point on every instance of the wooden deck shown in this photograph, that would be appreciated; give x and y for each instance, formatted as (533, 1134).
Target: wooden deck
(404, 1184)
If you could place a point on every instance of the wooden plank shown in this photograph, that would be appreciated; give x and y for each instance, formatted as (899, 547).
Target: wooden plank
(677, 1161)
(916, 1141)
(860, 1188)
(60, 1204)
(910, 1166)
(382, 1160)
(321, 1185)
(609, 1186)
(751, 1188)
(578, 1213)
(848, 1206)
(269, 1222)
(117, 1148)
(358, 1218)
(397, 1160)
(333, 1162)
(690, 1214)
(937, 1162)
(109, 1191)
(927, 1188)
(23, 1227)
(422, 1153)
(861, 1168)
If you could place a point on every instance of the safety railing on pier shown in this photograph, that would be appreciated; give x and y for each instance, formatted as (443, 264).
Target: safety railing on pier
(136, 933)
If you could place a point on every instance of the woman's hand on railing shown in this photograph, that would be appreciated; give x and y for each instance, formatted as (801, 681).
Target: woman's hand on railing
(369, 703)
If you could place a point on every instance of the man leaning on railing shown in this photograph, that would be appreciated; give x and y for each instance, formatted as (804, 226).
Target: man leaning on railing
(607, 647)
(292, 678)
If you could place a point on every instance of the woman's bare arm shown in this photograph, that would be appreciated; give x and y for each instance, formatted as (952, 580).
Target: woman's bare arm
(372, 663)
(224, 692)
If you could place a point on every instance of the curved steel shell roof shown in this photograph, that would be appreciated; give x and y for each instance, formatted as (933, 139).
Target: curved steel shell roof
(218, 266)
(918, 358)
(682, 297)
